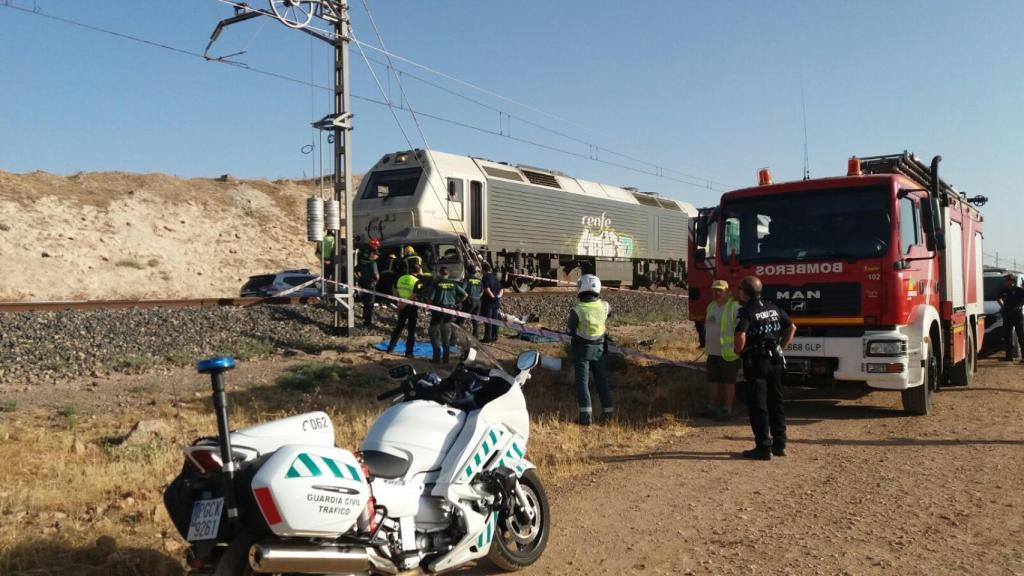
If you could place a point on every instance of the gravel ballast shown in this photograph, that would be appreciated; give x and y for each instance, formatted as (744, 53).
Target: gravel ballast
(37, 347)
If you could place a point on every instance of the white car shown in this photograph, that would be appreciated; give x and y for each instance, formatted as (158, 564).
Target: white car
(266, 285)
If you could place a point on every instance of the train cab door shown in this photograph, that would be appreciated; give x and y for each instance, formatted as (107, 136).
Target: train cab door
(455, 201)
(477, 211)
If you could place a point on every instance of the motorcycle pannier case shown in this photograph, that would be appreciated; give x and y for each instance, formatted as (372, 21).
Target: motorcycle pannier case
(308, 490)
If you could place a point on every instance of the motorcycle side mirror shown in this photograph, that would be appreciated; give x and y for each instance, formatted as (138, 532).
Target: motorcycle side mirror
(527, 360)
(402, 371)
(469, 354)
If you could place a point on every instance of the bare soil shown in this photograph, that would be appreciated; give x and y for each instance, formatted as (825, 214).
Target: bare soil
(864, 490)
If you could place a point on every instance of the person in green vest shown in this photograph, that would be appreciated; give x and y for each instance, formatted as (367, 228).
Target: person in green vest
(325, 250)
(588, 321)
(367, 277)
(446, 293)
(723, 363)
(474, 288)
(407, 287)
(388, 273)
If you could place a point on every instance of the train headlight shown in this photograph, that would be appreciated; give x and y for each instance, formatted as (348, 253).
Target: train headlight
(886, 348)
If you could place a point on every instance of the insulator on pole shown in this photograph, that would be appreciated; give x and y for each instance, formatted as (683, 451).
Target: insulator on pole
(314, 219)
(332, 214)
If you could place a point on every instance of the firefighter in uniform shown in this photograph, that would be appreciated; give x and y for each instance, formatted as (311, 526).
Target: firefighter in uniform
(588, 321)
(367, 277)
(411, 258)
(448, 294)
(407, 287)
(1011, 301)
(762, 331)
(388, 274)
(474, 292)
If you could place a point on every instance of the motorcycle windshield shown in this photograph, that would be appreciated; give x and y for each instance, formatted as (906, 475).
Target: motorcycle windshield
(465, 341)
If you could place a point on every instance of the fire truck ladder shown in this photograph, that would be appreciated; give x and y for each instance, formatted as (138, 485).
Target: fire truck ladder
(908, 165)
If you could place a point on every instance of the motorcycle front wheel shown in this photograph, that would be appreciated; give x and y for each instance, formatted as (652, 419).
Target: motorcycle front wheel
(517, 545)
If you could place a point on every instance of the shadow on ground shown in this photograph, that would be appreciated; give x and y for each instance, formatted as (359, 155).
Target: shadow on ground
(56, 556)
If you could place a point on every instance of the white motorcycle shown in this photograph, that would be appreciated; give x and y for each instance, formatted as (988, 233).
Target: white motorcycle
(441, 480)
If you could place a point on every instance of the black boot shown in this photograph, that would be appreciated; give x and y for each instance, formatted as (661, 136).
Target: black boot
(585, 419)
(758, 453)
(779, 451)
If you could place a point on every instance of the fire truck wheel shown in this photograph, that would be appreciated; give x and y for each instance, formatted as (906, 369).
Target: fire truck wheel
(918, 400)
(963, 372)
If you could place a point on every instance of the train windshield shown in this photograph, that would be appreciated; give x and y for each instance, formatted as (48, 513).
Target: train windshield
(392, 183)
(836, 223)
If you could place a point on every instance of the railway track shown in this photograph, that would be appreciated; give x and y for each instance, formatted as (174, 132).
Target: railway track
(57, 306)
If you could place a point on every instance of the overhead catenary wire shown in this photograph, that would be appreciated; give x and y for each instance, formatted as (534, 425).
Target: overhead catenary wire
(707, 185)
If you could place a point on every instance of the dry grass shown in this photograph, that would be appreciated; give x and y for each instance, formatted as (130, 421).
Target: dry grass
(55, 502)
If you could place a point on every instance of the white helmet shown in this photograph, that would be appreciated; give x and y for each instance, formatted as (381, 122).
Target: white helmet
(588, 283)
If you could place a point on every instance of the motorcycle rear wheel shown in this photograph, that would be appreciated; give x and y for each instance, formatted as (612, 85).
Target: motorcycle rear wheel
(517, 546)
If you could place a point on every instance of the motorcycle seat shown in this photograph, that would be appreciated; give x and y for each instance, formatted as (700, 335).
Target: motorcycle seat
(384, 465)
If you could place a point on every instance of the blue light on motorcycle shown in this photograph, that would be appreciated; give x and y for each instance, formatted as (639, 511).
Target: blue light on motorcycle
(216, 364)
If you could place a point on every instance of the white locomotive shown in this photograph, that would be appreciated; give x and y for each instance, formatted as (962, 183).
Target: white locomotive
(525, 220)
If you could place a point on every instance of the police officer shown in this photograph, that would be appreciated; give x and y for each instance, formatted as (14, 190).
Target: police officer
(448, 294)
(762, 331)
(411, 257)
(1011, 300)
(588, 324)
(408, 286)
(490, 301)
(473, 286)
(367, 277)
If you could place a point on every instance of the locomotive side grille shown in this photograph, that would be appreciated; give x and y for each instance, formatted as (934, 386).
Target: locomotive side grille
(500, 173)
(542, 179)
(670, 205)
(839, 299)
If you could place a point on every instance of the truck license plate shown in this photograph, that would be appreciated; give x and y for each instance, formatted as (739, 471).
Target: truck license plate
(205, 519)
(806, 347)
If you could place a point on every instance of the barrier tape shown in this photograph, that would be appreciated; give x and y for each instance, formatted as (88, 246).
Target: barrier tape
(570, 283)
(521, 327)
(296, 288)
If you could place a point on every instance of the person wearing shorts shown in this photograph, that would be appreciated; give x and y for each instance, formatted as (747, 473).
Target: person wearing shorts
(723, 363)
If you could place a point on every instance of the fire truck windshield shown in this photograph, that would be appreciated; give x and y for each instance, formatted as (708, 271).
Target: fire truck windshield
(843, 223)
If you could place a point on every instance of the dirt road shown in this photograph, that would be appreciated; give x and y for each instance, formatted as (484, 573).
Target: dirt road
(865, 490)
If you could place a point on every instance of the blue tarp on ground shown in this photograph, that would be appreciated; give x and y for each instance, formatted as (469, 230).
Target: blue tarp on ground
(419, 349)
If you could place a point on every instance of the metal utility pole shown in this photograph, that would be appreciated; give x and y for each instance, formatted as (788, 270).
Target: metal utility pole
(343, 159)
(298, 14)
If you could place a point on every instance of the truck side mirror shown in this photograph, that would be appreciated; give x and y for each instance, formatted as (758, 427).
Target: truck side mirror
(700, 254)
(701, 232)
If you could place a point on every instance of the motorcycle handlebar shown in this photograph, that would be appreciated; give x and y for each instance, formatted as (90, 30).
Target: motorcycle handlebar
(390, 393)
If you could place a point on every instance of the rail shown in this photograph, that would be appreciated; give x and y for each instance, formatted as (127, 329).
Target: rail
(53, 306)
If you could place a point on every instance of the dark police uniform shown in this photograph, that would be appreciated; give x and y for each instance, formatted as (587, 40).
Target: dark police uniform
(763, 323)
(367, 270)
(388, 274)
(474, 288)
(1012, 298)
(447, 293)
(491, 307)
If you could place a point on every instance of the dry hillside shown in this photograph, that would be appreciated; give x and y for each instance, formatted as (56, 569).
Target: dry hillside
(120, 235)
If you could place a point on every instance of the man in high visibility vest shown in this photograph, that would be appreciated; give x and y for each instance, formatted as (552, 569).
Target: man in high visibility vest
(325, 250)
(723, 363)
(588, 321)
(408, 286)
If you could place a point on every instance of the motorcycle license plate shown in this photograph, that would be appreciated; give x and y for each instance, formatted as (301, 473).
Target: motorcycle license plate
(205, 519)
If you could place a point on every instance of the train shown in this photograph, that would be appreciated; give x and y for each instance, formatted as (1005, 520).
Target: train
(529, 223)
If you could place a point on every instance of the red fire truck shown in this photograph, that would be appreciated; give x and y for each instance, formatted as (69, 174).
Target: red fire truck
(881, 271)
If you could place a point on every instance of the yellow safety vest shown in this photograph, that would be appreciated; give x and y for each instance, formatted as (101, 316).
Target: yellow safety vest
(407, 286)
(592, 317)
(727, 326)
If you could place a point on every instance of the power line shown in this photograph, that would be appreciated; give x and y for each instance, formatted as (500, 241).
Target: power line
(657, 172)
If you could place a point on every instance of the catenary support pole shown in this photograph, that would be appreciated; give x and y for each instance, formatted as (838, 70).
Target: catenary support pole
(343, 161)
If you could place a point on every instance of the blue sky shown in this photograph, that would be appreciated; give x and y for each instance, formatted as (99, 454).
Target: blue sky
(712, 89)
